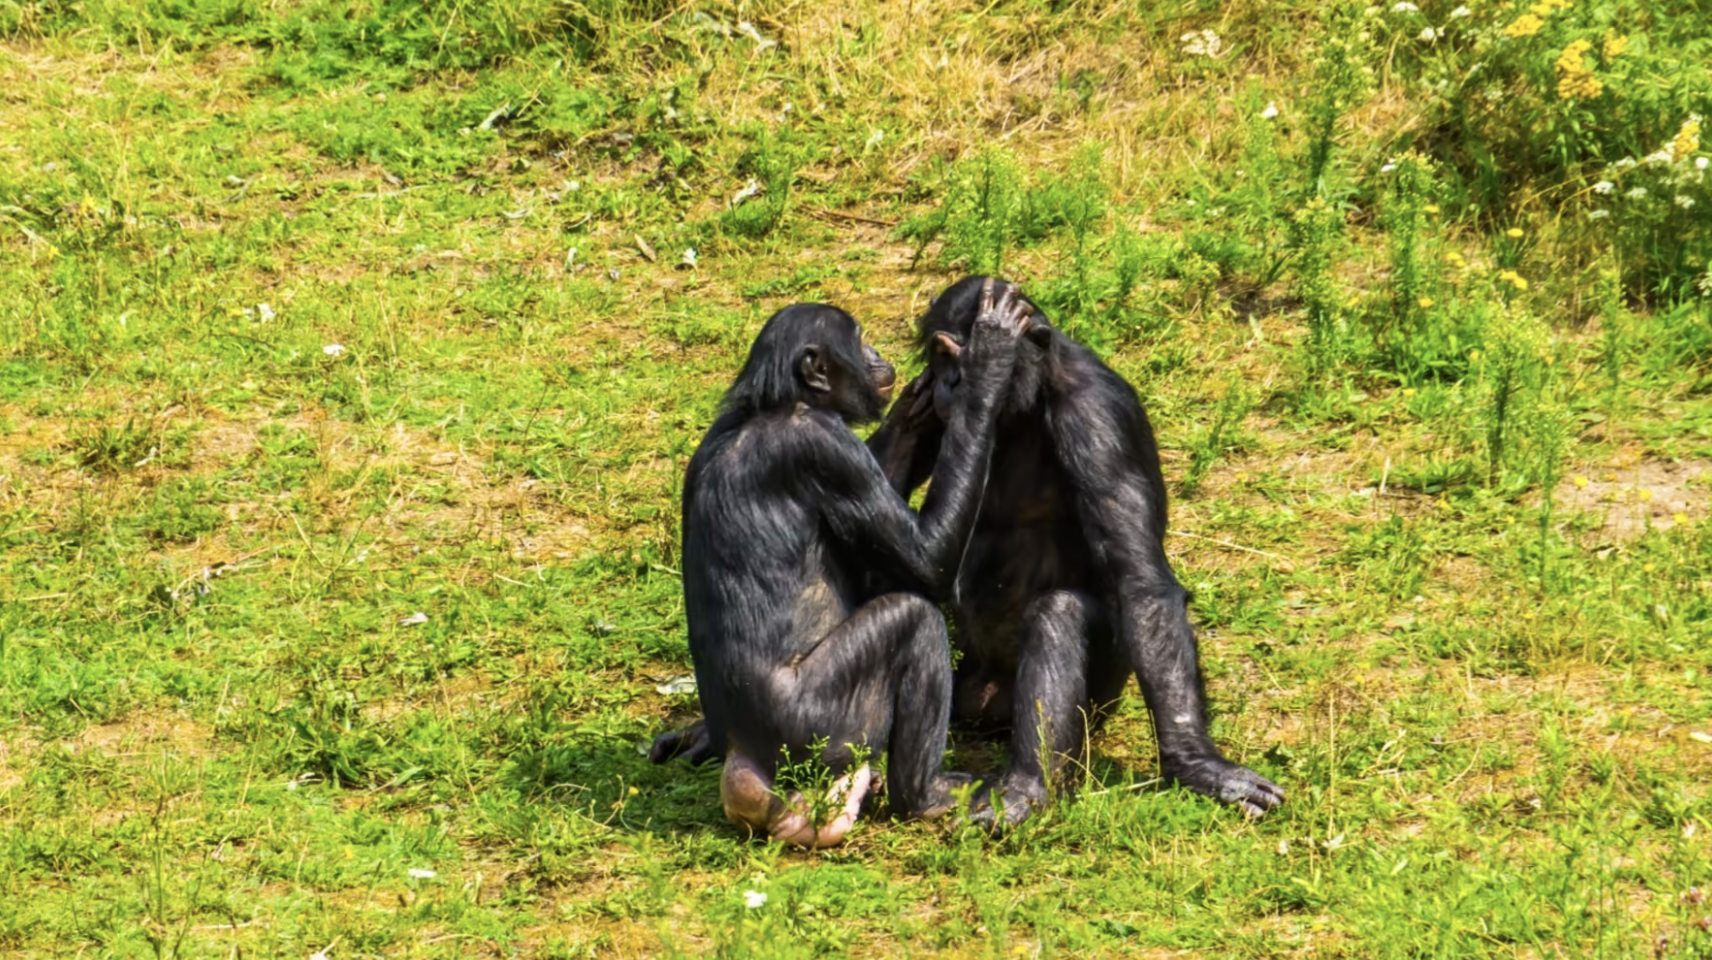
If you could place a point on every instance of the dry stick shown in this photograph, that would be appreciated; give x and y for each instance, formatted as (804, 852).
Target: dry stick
(1234, 546)
(824, 213)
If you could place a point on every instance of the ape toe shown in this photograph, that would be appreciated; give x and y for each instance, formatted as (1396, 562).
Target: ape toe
(1229, 783)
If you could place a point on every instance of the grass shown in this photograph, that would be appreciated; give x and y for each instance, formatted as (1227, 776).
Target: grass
(318, 318)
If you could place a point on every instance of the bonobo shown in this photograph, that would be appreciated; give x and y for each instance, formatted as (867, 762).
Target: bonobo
(807, 576)
(1065, 589)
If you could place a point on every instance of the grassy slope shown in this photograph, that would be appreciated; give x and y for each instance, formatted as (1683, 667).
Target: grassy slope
(219, 737)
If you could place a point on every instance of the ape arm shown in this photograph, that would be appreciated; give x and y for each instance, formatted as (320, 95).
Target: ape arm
(907, 444)
(863, 506)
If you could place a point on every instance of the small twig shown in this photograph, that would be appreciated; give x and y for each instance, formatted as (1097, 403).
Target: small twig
(826, 214)
(1235, 546)
(1143, 785)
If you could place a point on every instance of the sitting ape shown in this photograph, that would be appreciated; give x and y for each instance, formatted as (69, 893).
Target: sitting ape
(1065, 589)
(804, 570)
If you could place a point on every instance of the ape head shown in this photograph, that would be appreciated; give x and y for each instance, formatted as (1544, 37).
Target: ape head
(944, 330)
(813, 354)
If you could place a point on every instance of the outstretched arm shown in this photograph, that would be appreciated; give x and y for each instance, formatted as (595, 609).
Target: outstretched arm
(930, 546)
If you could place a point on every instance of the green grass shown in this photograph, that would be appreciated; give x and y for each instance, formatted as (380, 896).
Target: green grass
(1443, 592)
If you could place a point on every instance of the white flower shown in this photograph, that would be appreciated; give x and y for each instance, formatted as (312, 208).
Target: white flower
(1388, 168)
(1684, 201)
(417, 873)
(754, 899)
(414, 619)
(689, 257)
(1624, 163)
(333, 350)
(1637, 193)
(1598, 214)
(1202, 43)
(1699, 163)
(750, 189)
(1429, 35)
(761, 43)
(1460, 12)
(1603, 186)
(1272, 111)
(318, 955)
(1404, 6)
(265, 312)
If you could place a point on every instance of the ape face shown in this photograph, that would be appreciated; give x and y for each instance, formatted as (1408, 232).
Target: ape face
(880, 373)
(846, 376)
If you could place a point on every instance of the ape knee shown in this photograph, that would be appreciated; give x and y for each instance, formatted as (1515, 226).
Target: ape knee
(915, 616)
(1062, 616)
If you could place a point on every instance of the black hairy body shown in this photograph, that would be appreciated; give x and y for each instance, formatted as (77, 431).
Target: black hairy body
(807, 576)
(1065, 590)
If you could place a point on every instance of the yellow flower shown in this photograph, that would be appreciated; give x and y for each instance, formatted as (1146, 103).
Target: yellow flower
(1526, 25)
(1614, 45)
(1408, 392)
(1431, 208)
(1514, 279)
(1645, 495)
(1474, 355)
(1574, 79)
(1646, 568)
(1514, 233)
(633, 791)
(1580, 482)
(1425, 302)
(1679, 518)
(1687, 139)
(1454, 257)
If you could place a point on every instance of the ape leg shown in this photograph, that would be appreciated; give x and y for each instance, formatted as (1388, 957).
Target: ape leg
(881, 679)
(1050, 700)
(1154, 630)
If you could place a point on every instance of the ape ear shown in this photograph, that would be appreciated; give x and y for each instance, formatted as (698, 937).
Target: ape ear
(813, 369)
(944, 343)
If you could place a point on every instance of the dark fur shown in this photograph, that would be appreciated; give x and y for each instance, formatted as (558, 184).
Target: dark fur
(788, 525)
(1065, 589)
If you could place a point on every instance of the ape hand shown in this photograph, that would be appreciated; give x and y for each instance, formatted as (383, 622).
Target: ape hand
(916, 401)
(1001, 322)
(998, 327)
(1227, 782)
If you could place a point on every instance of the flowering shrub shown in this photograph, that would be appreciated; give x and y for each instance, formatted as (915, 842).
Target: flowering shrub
(1658, 206)
(1556, 99)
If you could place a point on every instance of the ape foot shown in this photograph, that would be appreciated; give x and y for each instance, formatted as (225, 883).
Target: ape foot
(692, 743)
(1007, 805)
(1227, 782)
(750, 801)
(941, 796)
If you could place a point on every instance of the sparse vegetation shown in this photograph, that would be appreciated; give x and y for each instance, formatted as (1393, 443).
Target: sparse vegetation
(352, 354)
